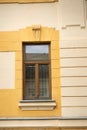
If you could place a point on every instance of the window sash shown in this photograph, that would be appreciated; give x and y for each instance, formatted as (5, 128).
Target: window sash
(36, 52)
(35, 91)
(44, 80)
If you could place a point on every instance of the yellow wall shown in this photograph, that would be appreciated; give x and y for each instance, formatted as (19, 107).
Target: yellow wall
(26, 1)
(9, 98)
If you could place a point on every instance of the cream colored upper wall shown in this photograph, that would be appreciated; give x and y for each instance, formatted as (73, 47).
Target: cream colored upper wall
(17, 16)
(73, 19)
(72, 13)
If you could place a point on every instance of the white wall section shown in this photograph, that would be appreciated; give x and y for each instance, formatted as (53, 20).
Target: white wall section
(17, 16)
(7, 70)
(73, 55)
(73, 13)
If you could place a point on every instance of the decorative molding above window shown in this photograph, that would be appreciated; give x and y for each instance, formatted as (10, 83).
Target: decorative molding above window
(27, 1)
(37, 105)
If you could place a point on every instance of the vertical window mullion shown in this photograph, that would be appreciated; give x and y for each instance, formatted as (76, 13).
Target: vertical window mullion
(37, 80)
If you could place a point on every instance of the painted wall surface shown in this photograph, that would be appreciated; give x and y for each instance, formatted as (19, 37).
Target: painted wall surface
(17, 16)
(73, 55)
(73, 45)
(11, 42)
(7, 70)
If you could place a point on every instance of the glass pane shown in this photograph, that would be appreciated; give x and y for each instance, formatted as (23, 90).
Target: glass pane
(30, 88)
(36, 52)
(44, 81)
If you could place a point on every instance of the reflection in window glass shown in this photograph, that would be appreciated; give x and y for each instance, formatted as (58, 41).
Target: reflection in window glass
(36, 52)
(44, 80)
(30, 81)
(36, 49)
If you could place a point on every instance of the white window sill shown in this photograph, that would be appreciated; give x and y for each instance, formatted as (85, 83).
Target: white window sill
(37, 105)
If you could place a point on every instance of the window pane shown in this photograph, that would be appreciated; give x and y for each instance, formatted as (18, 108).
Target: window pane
(36, 52)
(30, 89)
(44, 81)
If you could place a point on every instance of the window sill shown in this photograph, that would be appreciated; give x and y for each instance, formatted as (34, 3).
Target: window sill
(37, 105)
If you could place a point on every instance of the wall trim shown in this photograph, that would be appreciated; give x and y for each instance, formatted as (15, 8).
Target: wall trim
(50, 105)
(27, 1)
(54, 122)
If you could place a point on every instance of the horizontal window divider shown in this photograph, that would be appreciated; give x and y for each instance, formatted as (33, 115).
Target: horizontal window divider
(33, 62)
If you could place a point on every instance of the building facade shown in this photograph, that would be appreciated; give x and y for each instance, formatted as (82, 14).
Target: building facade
(43, 65)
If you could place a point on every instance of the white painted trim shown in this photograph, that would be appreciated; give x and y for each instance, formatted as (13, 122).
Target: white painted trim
(73, 53)
(29, 123)
(73, 123)
(73, 81)
(46, 123)
(73, 43)
(74, 72)
(73, 62)
(74, 91)
(74, 111)
(37, 105)
(74, 101)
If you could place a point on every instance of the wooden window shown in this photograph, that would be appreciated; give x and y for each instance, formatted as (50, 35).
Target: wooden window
(36, 72)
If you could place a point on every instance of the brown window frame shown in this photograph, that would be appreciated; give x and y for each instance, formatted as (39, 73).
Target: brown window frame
(36, 63)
